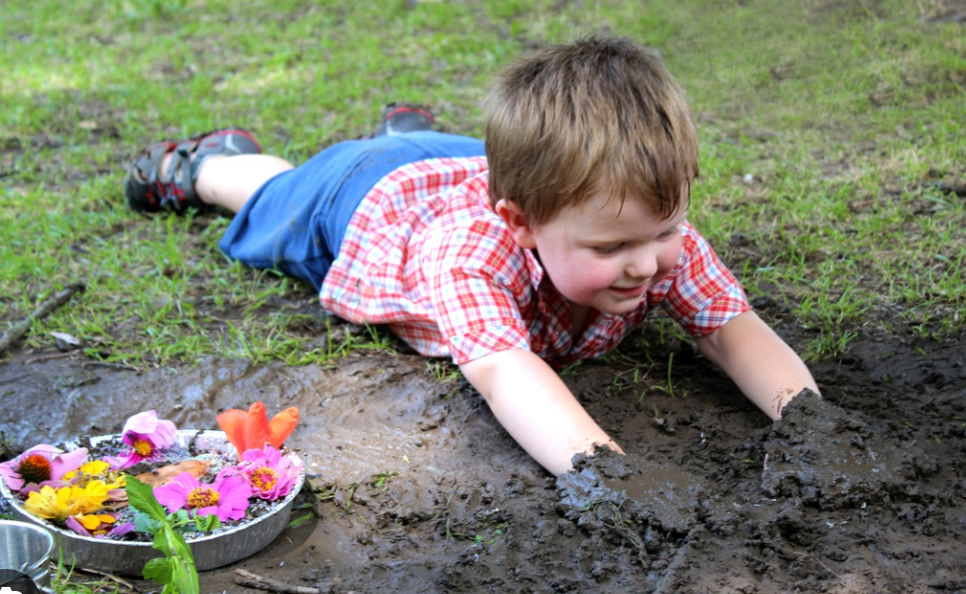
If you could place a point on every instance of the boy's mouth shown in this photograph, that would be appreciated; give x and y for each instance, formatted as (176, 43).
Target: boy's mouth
(630, 292)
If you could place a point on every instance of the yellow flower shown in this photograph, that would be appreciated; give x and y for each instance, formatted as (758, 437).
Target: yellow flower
(94, 521)
(97, 470)
(92, 468)
(57, 504)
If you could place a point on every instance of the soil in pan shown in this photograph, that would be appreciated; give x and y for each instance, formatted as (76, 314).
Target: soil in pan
(418, 489)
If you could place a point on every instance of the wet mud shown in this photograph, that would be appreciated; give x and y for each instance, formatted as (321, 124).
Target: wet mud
(418, 489)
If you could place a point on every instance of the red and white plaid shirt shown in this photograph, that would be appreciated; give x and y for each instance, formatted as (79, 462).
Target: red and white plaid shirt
(426, 254)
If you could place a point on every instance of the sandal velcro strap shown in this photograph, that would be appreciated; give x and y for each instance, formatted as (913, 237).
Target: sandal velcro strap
(148, 189)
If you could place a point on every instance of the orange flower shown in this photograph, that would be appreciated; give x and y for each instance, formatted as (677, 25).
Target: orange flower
(252, 430)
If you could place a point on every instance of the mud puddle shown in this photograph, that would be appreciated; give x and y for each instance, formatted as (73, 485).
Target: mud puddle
(419, 490)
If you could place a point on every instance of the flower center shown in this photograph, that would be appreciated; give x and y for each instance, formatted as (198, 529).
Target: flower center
(35, 469)
(264, 479)
(202, 497)
(143, 447)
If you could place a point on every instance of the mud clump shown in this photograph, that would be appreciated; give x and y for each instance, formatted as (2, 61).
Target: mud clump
(833, 458)
(630, 491)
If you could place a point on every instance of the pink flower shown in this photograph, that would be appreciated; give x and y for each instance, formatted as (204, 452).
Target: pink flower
(146, 434)
(98, 526)
(270, 473)
(227, 497)
(39, 466)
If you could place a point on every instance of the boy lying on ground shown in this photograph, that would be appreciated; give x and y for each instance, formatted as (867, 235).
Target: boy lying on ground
(545, 247)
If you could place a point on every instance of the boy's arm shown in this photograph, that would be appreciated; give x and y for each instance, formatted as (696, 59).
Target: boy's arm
(765, 368)
(534, 405)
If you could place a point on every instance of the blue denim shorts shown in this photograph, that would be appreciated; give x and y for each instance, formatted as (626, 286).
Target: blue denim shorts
(296, 221)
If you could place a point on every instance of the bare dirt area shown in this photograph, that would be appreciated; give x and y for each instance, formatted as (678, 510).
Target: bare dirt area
(418, 489)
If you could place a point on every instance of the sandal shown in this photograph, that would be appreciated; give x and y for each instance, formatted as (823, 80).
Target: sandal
(399, 118)
(148, 189)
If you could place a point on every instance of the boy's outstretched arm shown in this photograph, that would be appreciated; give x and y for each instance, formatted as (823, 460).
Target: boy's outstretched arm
(536, 408)
(765, 368)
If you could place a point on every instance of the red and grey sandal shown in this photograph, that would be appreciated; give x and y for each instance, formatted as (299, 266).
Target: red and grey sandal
(399, 118)
(148, 189)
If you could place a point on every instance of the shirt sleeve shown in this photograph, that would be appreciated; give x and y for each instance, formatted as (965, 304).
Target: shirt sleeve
(701, 293)
(478, 283)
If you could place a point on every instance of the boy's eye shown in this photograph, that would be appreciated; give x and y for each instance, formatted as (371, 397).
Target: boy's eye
(669, 234)
(608, 249)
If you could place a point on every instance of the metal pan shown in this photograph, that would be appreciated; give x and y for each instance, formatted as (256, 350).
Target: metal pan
(128, 558)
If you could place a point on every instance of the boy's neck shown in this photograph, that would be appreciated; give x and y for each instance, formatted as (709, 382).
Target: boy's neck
(579, 314)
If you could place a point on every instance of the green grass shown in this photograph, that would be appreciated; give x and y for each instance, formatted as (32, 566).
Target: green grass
(825, 129)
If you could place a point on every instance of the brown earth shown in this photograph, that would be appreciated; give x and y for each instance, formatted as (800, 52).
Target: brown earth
(418, 489)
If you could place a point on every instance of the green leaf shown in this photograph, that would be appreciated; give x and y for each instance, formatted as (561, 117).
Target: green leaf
(301, 520)
(207, 523)
(185, 573)
(180, 518)
(141, 497)
(158, 570)
(161, 541)
(145, 523)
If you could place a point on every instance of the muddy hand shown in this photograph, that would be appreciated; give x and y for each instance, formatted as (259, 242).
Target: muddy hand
(639, 492)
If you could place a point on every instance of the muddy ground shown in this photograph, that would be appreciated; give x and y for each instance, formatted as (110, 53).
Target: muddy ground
(418, 489)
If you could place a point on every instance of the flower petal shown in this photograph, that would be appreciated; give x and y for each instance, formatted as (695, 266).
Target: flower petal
(174, 495)
(123, 461)
(77, 526)
(282, 425)
(67, 462)
(257, 432)
(232, 422)
(143, 423)
(11, 477)
(164, 434)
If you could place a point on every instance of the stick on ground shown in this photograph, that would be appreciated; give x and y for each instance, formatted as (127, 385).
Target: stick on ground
(253, 580)
(20, 328)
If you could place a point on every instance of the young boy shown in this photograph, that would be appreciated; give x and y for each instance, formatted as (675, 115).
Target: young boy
(548, 249)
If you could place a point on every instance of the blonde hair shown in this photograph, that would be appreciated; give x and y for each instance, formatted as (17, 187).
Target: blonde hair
(601, 114)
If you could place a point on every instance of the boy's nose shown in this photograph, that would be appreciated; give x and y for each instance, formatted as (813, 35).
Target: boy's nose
(643, 267)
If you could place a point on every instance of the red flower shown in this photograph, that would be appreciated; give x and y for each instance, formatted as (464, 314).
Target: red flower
(252, 430)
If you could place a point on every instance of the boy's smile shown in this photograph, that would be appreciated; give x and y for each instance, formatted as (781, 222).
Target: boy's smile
(604, 255)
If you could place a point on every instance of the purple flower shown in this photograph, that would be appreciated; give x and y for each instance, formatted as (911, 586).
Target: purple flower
(98, 526)
(146, 434)
(270, 474)
(39, 466)
(227, 497)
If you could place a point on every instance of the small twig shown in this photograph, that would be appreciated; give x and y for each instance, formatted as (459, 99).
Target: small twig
(16, 378)
(807, 555)
(121, 366)
(20, 328)
(40, 358)
(253, 580)
(110, 576)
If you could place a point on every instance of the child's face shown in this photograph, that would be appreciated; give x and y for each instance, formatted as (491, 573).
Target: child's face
(605, 255)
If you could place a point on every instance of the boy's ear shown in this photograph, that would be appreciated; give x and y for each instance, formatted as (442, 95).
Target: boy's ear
(517, 223)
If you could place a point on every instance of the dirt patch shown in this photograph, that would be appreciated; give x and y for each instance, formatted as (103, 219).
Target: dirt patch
(418, 489)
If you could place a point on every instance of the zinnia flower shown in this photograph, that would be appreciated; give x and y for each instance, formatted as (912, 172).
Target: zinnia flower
(96, 470)
(227, 497)
(252, 430)
(98, 525)
(146, 434)
(58, 504)
(38, 466)
(270, 473)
